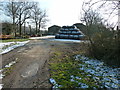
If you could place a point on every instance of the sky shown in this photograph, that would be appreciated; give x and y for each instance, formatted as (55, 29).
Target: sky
(62, 12)
(66, 12)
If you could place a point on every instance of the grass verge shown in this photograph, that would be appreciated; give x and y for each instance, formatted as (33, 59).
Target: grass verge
(65, 70)
(14, 40)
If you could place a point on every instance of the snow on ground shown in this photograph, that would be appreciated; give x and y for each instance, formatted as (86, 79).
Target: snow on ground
(106, 76)
(8, 46)
(10, 64)
(44, 37)
(1, 85)
(68, 40)
(62, 40)
(2, 70)
(109, 77)
(1, 76)
(4, 44)
(55, 85)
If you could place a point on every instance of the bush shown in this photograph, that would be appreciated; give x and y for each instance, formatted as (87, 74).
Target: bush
(105, 46)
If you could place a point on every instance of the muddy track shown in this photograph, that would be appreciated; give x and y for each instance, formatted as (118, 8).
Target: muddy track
(31, 70)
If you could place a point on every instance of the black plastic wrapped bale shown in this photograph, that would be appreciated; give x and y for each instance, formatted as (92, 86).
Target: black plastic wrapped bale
(70, 32)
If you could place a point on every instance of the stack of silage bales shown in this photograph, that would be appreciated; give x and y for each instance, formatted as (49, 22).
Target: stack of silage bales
(70, 32)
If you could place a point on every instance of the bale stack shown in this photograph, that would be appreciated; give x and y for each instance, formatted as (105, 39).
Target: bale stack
(70, 32)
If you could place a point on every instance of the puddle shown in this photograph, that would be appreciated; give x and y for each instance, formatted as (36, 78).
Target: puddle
(30, 70)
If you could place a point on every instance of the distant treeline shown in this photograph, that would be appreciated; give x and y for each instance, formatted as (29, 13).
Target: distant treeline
(7, 30)
(23, 14)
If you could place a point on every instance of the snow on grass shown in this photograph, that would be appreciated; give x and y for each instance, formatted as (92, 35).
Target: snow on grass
(1, 76)
(52, 81)
(1, 85)
(8, 46)
(55, 85)
(3, 69)
(10, 64)
(44, 37)
(6, 66)
(68, 40)
(63, 40)
(5, 44)
(107, 77)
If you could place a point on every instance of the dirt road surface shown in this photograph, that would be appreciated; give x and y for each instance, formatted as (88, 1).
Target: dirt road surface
(31, 70)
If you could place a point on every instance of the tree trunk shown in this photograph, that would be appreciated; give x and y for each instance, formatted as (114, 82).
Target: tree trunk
(30, 29)
(24, 28)
(20, 26)
(36, 28)
(39, 29)
(13, 27)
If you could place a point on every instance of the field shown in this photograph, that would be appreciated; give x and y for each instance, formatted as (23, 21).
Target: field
(49, 63)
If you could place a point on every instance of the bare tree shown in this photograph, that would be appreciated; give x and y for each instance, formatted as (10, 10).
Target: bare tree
(23, 13)
(93, 21)
(1, 5)
(43, 20)
(11, 10)
(104, 44)
(39, 17)
(106, 8)
(19, 12)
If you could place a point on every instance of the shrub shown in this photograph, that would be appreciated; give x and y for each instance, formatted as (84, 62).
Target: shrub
(105, 46)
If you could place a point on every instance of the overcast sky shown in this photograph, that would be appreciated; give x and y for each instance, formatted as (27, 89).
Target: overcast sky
(65, 12)
(62, 12)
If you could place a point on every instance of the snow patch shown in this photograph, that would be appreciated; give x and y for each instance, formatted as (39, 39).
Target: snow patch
(10, 64)
(55, 85)
(1, 86)
(6, 66)
(82, 85)
(98, 71)
(17, 44)
(5, 44)
(68, 40)
(44, 37)
(109, 76)
(1, 76)
(52, 81)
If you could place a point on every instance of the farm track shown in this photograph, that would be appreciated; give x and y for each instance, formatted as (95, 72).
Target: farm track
(32, 69)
